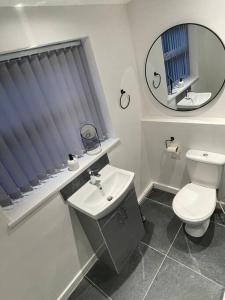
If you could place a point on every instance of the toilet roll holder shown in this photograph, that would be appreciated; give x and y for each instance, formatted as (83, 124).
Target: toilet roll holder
(169, 142)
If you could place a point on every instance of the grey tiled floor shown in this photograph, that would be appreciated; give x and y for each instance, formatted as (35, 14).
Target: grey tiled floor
(87, 291)
(167, 265)
(134, 279)
(161, 225)
(161, 196)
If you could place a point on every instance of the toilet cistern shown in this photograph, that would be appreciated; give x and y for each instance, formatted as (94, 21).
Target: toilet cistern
(195, 203)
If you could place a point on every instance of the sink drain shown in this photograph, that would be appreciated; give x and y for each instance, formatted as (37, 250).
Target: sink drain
(109, 198)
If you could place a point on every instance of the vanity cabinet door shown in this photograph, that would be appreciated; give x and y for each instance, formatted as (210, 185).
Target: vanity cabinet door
(123, 229)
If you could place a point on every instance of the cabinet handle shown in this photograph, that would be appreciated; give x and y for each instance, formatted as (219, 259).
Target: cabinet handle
(120, 218)
(124, 213)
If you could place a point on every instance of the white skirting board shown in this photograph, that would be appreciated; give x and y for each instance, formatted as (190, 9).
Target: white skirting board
(149, 187)
(166, 188)
(78, 278)
(160, 186)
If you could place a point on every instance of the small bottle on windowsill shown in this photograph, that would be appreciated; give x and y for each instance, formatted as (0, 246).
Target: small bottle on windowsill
(181, 83)
(73, 163)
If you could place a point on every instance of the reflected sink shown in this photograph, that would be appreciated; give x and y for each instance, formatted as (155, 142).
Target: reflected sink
(96, 203)
(194, 100)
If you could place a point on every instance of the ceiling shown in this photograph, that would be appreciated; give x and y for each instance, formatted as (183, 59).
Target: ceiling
(20, 3)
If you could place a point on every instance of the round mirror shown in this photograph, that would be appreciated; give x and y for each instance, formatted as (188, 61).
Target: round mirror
(185, 67)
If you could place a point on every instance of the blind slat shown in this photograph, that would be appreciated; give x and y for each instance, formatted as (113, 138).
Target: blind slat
(89, 90)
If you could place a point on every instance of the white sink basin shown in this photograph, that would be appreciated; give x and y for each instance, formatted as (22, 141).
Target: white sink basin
(194, 100)
(92, 201)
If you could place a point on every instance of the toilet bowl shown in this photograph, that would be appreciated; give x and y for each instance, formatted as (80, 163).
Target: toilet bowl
(195, 203)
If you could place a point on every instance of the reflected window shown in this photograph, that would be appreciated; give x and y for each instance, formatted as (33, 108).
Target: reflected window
(176, 54)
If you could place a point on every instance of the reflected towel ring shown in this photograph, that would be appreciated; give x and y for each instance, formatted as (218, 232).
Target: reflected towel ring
(153, 82)
(124, 93)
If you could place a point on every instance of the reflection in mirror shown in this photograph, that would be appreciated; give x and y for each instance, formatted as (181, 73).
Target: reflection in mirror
(185, 67)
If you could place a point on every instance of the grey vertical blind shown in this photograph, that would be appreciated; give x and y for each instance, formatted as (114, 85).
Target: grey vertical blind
(44, 99)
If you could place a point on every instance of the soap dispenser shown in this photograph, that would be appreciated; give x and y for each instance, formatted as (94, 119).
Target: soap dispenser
(73, 163)
(181, 83)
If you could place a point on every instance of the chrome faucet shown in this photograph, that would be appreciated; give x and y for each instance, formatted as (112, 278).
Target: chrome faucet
(187, 96)
(93, 180)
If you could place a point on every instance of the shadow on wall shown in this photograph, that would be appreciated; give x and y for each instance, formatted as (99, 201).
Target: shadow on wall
(79, 237)
(127, 127)
(170, 164)
(200, 136)
(145, 164)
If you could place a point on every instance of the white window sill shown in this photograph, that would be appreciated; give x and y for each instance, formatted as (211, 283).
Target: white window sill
(40, 194)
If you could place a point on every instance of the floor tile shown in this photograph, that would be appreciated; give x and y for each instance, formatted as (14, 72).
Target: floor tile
(161, 196)
(218, 217)
(132, 283)
(85, 291)
(161, 225)
(176, 282)
(205, 255)
(84, 284)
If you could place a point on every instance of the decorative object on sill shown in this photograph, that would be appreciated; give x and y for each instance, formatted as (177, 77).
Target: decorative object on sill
(156, 85)
(73, 163)
(124, 96)
(90, 139)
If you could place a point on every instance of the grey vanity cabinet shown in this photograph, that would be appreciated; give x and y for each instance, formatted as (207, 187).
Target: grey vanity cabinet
(116, 236)
(123, 229)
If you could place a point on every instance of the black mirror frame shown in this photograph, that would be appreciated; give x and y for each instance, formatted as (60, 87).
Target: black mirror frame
(146, 60)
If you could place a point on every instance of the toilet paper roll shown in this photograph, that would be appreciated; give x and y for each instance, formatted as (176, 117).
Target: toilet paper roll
(172, 149)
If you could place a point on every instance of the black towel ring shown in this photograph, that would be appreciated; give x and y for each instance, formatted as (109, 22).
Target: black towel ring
(153, 82)
(123, 93)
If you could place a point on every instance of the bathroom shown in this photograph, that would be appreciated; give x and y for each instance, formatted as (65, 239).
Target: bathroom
(45, 252)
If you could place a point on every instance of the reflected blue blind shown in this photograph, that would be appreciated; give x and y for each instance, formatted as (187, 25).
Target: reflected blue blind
(44, 99)
(176, 53)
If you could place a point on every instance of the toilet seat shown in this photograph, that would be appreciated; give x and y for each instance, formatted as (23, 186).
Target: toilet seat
(194, 203)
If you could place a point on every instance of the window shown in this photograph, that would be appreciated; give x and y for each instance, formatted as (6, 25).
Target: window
(45, 96)
(176, 54)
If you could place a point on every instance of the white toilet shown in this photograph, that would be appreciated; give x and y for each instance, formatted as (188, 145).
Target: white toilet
(195, 202)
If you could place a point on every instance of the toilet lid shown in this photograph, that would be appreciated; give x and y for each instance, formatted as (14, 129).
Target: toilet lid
(194, 203)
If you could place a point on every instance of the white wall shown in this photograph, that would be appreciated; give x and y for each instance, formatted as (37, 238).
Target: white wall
(210, 67)
(155, 63)
(166, 169)
(42, 255)
(149, 18)
(194, 50)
